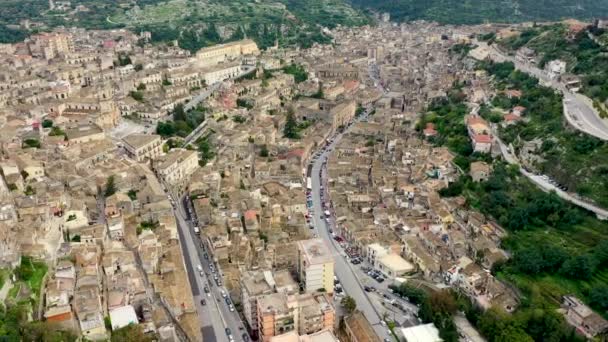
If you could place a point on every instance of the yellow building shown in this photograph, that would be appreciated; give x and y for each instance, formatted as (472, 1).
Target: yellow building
(315, 266)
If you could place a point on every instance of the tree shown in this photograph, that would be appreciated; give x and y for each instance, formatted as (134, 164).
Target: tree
(132, 194)
(264, 151)
(601, 253)
(579, 267)
(598, 297)
(512, 333)
(137, 95)
(25, 270)
(179, 114)
(47, 123)
(349, 304)
(110, 186)
(35, 143)
(56, 131)
(130, 333)
(291, 126)
(47, 332)
(529, 261)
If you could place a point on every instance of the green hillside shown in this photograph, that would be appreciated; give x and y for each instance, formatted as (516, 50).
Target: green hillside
(478, 11)
(194, 23)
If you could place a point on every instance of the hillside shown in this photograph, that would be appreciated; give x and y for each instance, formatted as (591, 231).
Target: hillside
(194, 23)
(478, 11)
(585, 53)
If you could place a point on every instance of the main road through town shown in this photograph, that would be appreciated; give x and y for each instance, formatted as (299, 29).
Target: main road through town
(214, 315)
(342, 268)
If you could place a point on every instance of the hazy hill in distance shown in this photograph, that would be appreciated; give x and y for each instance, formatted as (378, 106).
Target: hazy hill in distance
(479, 11)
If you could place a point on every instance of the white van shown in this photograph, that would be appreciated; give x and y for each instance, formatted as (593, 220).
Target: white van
(196, 230)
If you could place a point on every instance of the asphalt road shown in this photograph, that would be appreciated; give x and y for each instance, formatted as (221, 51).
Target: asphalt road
(215, 315)
(343, 269)
(545, 185)
(578, 110)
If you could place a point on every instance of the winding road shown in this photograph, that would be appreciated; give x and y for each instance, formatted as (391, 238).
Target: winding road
(578, 109)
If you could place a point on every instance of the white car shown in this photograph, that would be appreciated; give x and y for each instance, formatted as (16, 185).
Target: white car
(200, 268)
(224, 294)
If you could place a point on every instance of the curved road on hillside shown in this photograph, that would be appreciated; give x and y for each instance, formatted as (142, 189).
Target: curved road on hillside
(578, 109)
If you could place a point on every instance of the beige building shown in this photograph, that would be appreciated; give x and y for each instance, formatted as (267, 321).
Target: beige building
(221, 72)
(175, 167)
(321, 336)
(84, 134)
(343, 113)
(358, 329)
(280, 313)
(143, 146)
(254, 285)
(315, 266)
(222, 52)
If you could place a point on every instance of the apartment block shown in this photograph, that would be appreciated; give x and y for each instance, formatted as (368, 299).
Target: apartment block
(315, 266)
(176, 166)
(143, 146)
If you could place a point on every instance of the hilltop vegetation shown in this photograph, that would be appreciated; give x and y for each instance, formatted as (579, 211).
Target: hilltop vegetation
(556, 248)
(193, 23)
(585, 54)
(478, 11)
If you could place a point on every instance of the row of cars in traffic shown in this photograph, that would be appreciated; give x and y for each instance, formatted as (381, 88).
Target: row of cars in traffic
(213, 273)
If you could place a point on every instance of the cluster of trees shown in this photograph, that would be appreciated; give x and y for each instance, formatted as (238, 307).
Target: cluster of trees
(299, 73)
(184, 122)
(447, 114)
(460, 12)
(14, 326)
(205, 150)
(503, 197)
(554, 259)
(526, 325)
(291, 130)
(436, 307)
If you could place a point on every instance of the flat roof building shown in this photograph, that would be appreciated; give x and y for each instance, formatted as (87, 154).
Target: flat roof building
(315, 266)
